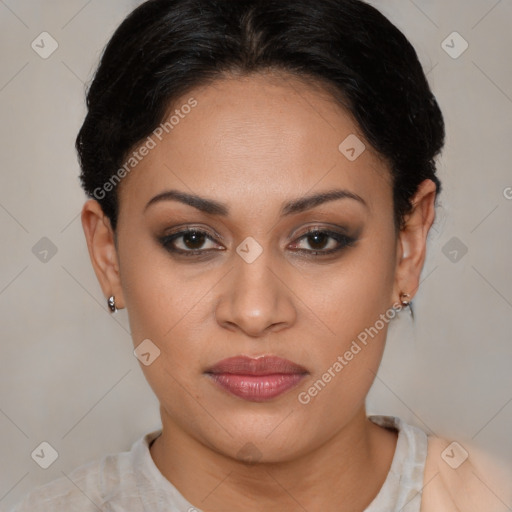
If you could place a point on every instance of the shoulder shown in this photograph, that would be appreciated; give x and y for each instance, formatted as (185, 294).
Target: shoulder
(89, 487)
(460, 477)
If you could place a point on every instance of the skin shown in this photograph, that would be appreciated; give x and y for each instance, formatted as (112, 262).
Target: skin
(255, 143)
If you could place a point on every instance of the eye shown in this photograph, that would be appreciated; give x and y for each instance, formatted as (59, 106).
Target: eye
(196, 242)
(323, 242)
(189, 242)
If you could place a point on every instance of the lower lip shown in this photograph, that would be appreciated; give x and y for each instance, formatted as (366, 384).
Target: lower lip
(257, 388)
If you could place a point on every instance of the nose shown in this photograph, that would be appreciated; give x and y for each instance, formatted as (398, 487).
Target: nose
(255, 297)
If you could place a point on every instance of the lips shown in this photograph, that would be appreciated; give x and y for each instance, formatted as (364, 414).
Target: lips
(256, 379)
(265, 365)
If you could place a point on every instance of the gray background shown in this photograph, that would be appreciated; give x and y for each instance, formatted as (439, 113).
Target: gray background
(67, 372)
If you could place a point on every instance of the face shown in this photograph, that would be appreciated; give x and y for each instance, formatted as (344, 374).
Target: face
(261, 270)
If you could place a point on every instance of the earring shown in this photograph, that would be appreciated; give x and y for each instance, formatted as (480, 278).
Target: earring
(403, 299)
(112, 304)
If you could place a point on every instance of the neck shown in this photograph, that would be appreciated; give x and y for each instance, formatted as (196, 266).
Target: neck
(345, 473)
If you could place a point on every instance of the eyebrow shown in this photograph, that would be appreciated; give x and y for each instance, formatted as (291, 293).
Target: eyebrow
(213, 207)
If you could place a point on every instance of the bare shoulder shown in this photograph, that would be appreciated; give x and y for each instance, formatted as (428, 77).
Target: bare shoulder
(461, 477)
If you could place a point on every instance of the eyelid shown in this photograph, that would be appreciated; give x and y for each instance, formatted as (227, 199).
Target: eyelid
(338, 233)
(168, 241)
(342, 240)
(210, 232)
(324, 227)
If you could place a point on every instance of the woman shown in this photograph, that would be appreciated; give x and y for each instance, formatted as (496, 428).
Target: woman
(262, 182)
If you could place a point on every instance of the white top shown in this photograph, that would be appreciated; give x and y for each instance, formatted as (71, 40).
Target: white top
(130, 481)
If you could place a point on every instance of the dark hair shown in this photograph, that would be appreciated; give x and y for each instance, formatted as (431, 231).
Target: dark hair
(166, 48)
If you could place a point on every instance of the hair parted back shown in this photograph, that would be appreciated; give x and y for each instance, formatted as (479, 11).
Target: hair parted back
(166, 48)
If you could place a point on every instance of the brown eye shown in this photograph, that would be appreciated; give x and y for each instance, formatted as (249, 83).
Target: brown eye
(194, 239)
(318, 240)
(189, 242)
(323, 242)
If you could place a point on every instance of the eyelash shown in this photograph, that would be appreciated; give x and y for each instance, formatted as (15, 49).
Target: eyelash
(343, 241)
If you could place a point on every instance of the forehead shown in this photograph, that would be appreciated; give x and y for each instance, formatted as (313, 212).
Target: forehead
(262, 137)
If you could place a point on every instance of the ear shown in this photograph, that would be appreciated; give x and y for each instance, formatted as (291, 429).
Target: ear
(412, 240)
(102, 250)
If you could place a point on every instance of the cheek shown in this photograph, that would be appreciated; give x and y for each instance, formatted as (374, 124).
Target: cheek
(348, 361)
(352, 302)
(166, 307)
(153, 293)
(161, 308)
(350, 296)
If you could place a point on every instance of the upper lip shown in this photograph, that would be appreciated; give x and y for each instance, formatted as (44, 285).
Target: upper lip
(264, 365)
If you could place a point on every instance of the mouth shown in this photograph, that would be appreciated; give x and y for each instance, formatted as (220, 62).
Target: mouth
(256, 379)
